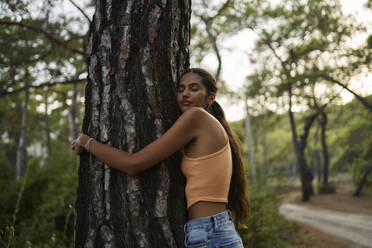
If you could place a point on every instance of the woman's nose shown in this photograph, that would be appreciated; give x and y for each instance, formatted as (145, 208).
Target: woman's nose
(185, 93)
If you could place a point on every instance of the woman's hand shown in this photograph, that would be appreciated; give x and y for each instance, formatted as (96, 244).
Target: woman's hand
(78, 144)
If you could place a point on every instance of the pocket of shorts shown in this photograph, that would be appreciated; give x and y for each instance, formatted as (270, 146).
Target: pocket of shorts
(235, 244)
(200, 244)
(196, 239)
(227, 227)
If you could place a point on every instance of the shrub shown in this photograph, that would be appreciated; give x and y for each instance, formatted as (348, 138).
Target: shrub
(266, 227)
(326, 189)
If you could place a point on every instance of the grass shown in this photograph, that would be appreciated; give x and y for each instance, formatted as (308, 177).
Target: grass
(308, 237)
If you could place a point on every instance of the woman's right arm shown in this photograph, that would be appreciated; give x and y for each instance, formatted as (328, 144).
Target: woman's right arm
(184, 130)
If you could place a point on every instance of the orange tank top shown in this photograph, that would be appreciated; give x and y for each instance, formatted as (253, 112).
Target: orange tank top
(208, 177)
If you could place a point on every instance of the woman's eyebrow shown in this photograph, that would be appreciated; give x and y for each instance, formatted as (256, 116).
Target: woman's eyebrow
(189, 85)
(194, 84)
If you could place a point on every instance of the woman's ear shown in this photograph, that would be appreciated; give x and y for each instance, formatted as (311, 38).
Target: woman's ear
(211, 98)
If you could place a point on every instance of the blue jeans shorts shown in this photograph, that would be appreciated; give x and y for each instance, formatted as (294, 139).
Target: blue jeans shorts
(212, 231)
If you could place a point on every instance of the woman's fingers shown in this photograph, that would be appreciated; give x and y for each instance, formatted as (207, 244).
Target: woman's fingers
(76, 147)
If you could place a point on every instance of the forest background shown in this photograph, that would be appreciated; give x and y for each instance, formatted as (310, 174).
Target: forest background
(301, 62)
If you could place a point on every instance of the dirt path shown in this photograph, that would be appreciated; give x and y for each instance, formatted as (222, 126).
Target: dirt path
(355, 229)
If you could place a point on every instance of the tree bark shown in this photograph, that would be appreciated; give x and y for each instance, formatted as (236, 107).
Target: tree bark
(135, 55)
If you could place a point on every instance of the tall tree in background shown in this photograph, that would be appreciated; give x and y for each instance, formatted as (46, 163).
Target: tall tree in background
(301, 36)
(39, 49)
(136, 52)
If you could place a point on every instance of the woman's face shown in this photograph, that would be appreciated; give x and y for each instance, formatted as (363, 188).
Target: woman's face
(191, 92)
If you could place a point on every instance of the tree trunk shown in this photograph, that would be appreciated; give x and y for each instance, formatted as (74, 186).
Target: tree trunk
(21, 159)
(299, 145)
(294, 168)
(72, 112)
(265, 152)
(361, 183)
(47, 126)
(248, 132)
(135, 54)
(317, 156)
(323, 124)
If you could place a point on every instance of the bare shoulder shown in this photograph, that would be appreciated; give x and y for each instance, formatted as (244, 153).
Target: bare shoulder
(202, 119)
(195, 114)
(195, 111)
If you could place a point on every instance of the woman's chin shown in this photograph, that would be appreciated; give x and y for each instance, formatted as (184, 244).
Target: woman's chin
(184, 108)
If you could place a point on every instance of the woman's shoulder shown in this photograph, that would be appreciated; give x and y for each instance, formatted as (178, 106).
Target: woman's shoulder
(194, 114)
(195, 110)
(206, 120)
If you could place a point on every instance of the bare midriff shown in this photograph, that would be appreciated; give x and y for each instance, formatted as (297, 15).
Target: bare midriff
(203, 209)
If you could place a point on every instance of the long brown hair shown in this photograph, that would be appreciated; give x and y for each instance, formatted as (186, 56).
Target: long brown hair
(238, 197)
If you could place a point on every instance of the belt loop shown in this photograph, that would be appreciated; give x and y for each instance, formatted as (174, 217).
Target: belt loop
(184, 227)
(230, 214)
(215, 223)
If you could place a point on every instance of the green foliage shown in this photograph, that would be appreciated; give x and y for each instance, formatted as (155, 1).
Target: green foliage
(349, 138)
(369, 42)
(45, 214)
(361, 164)
(266, 227)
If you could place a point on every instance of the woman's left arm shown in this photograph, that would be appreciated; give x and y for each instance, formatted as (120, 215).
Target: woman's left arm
(184, 130)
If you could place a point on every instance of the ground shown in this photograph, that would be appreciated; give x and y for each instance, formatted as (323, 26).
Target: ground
(308, 237)
(342, 201)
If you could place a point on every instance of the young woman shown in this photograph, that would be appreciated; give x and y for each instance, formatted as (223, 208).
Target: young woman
(211, 163)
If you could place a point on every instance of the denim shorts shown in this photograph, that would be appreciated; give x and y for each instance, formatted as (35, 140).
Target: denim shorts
(212, 231)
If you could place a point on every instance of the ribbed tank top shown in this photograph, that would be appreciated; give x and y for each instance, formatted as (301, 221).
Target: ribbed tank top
(208, 177)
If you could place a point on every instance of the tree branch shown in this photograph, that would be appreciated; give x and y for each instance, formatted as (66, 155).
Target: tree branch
(361, 99)
(213, 40)
(82, 11)
(223, 7)
(24, 62)
(49, 84)
(39, 30)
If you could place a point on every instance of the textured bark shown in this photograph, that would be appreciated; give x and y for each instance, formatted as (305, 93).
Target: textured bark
(136, 52)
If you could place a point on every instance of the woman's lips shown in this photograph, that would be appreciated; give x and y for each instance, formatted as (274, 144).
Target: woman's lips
(186, 103)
